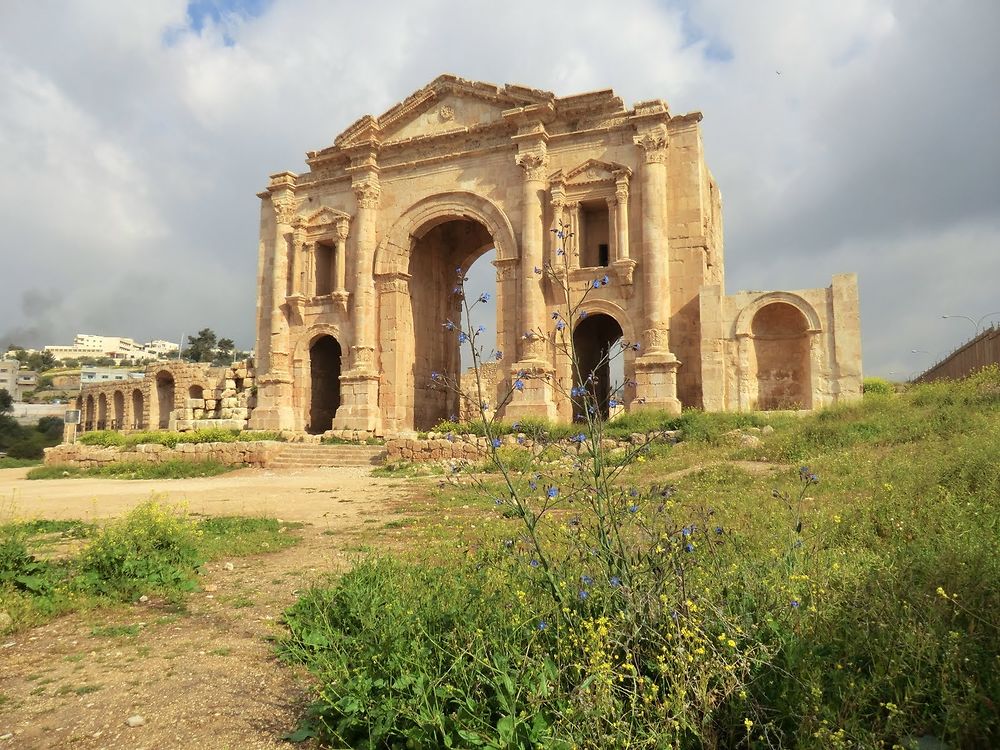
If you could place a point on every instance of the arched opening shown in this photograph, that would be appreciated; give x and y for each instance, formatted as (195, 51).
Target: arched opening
(436, 254)
(196, 392)
(780, 357)
(597, 344)
(118, 410)
(88, 420)
(138, 422)
(324, 366)
(164, 400)
(102, 411)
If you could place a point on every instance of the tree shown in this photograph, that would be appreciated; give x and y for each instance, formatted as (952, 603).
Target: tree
(201, 348)
(224, 352)
(6, 402)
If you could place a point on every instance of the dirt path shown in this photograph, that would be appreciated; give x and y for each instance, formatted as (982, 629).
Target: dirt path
(201, 674)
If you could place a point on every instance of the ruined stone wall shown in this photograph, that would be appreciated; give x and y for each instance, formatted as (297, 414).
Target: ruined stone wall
(255, 454)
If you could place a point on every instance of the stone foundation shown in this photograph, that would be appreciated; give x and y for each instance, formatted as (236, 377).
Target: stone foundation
(257, 454)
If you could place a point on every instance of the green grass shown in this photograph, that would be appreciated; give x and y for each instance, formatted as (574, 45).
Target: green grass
(112, 438)
(174, 468)
(151, 550)
(18, 463)
(863, 616)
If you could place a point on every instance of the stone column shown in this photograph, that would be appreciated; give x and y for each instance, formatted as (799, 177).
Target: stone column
(340, 293)
(537, 397)
(359, 407)
(275, 385)
(656, 368)
(623, 264)
(574, 251)
(295, 261)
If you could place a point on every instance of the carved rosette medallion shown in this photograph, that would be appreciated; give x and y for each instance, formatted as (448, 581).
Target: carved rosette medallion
(446, 113)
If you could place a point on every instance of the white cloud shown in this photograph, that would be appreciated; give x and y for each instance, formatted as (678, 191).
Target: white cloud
(132, 145)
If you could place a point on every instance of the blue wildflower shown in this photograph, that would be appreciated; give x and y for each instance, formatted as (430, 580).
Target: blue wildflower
(560, 251)
(586, 580)
(463, 337)
(435, 376)
(457, 290)
(612, 403)
(496, 442)
(458, 271)
(597, 284)
(480, 330)
(516, 426)
(519, 385)
(498, 501)
(795, 603)
(537, 269)
(484, 297)
(633, 508)
(534, 563)
(560, 234)
(542, 625)
(689, 547)
(520, 439)
(584, 594)
(686, 531)
(552, 492)
(555, 315)
(718, 529)
(578, 390)
(583, 314)
(633, 492)
(449, 325)
(615, 581)
(581, 438)
(605, 280)
(498, 356)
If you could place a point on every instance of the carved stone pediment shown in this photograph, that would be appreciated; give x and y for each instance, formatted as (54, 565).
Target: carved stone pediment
(594, 171)
(445, 105)
(324, 217)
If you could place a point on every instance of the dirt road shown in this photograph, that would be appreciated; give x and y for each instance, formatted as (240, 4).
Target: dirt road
(201, 674)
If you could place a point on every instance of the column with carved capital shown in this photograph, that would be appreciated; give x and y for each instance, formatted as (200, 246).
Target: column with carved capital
(359, 408)
(537, 397)
(656, 367)
(340, 261)
(274, 398)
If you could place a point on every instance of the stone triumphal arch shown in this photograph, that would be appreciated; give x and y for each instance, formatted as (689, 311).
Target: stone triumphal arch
(357, 261)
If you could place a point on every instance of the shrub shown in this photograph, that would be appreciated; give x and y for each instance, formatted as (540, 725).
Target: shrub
(151, 548)
(877, 387)
(104, 438)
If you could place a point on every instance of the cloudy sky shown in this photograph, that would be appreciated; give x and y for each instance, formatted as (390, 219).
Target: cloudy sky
(860, 135)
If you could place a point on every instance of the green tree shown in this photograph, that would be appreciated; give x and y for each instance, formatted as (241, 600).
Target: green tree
(201, 348)
(6, 402)
(224, 352)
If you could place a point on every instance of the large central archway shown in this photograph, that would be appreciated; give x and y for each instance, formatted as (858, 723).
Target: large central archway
(324, 367)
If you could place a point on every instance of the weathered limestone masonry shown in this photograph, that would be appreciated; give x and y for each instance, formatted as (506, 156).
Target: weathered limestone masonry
(171, 396)
(357, 262)
(257, 454)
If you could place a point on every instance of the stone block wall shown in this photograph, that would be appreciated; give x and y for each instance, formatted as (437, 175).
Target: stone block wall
(255, 454)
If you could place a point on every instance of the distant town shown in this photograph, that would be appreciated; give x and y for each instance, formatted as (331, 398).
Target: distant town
(53, 374)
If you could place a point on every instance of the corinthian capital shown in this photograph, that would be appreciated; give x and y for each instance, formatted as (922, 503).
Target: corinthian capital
(534, 164)
(367, 192)
(285, 209)
(654, 144)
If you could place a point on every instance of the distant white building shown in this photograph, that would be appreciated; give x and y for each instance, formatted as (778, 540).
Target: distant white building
(92, 374)
(16, 381)
(116, 347)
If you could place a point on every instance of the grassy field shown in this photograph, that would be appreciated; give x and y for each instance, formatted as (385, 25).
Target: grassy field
(176, 468)
(827, 584)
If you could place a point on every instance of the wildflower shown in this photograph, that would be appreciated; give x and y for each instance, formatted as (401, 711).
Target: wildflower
(560, 233)
(537, 269)
(686, 531)
(555, 315)
(532, 484)
(450, 437)
(586, 580)
(560, 251)
(498, 501)
(604, 280)
(484, 406)
(579, 438)
(633, 492)
(635, 346)
(577, 390)
(941, 592)
(560, 325)
(529, 335)
(519, 385)
(633, 508)
(748, 723)
(542, 625)
(457, 290)
(534, 563)
(516, 426)
(584, 593)
(615, 581)
(458, 271)
(612, 403)
(480, 330)
(435, 376)
(498, 356)
(689, 547)
(795, 604)
(552, 492)
(520, 439)
(583, 314)
(718, 529)
(496, 442)
(449, 325)
(484, 297)
(597, 284)
(463, 337)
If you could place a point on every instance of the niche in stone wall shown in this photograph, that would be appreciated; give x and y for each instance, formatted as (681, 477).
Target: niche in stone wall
(780, 359)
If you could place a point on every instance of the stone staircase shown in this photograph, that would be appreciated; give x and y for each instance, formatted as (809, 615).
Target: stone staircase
(314, 456)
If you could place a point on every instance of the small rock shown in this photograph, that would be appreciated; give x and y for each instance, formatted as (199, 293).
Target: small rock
(228, 566)
(143, 598)
(749, 441)
(210, 587)
(135, 721)
(8, 736)
(766, 429)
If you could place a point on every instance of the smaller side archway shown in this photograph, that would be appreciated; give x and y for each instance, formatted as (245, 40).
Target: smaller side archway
(324, 367)
(89, 414)
(138, 418)
(102, 411)
(596, 341)
(117, 410)
(164, 399)
(780, 359)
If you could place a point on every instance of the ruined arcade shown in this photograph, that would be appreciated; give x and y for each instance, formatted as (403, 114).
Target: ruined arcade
(357, 261)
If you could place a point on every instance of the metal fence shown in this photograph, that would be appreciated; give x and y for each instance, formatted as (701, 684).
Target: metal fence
(973, 355)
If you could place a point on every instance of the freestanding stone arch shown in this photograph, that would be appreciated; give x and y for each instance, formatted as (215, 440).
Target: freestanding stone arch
(569, 190)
